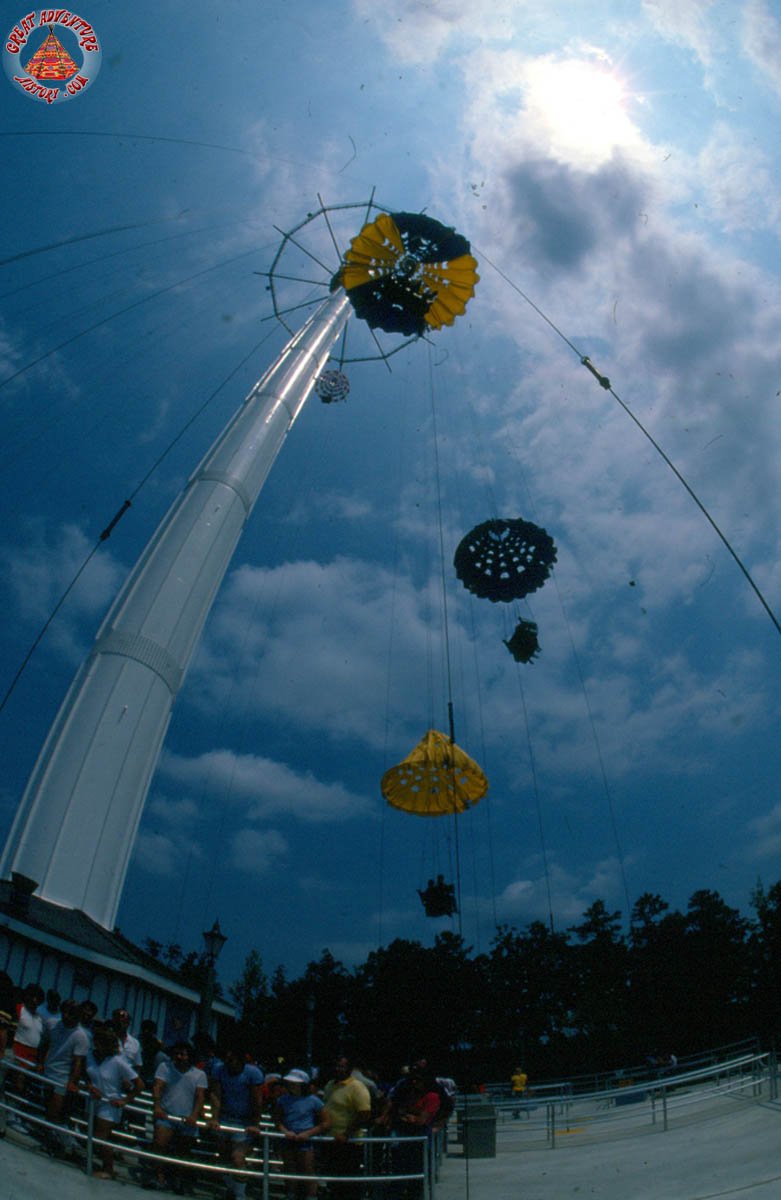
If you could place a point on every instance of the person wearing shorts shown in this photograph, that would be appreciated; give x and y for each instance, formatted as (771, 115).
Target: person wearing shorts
(114, 1084)
(179, 1093)
(235, 1098)
(300, 1115)
(29, 1028)
(62, 1054)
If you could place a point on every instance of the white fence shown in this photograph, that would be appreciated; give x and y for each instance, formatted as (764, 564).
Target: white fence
(388, 1164)
(542, 1116)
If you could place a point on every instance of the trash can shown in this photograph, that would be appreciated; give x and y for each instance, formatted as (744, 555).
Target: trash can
(633, 1095)
(477, 1128)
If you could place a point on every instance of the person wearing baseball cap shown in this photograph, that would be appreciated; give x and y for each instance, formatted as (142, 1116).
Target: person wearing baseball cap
(300, 1116)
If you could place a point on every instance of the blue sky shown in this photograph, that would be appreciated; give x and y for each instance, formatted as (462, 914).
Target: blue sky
(619, 163)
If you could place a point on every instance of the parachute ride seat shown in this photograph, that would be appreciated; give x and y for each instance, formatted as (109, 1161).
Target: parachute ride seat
(439, 899)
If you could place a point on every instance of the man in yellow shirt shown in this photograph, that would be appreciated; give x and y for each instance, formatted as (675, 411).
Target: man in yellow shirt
(518, 1081)
(348, 1105)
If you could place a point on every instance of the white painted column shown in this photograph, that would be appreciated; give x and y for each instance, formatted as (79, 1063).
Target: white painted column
(78, 817)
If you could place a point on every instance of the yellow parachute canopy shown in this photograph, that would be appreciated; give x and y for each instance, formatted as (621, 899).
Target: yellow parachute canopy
(435, 778)
(406, 273)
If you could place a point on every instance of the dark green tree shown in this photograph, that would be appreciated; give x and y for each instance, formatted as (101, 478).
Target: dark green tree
(250, 995)
(191, 968)
(765, 948)
(656, 948)
(715, 969)
(528, 996)
(420, 999)
(601, 988)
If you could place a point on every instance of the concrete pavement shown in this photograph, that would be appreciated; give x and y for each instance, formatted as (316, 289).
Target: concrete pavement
(731, 1150)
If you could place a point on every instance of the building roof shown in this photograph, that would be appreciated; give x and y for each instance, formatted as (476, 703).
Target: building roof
(72, 931)
(75, 926)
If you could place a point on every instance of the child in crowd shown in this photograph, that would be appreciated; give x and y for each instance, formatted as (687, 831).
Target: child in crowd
(300, 1115)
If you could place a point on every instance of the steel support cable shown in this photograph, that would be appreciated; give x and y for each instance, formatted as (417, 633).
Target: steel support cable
(484, 761)
(479, 441)
(605, 383)
(206, 897)
(249, 689)
(39, 636)
(600, 759)
(587, 702)
(83, 237)
(537, 803)
(148, 137)
(97, 417)
(99, 258)
(446, 623)
(386, 735)
(130, 284)
(121, 312)
(391, 631)
(476, 439)
(109, 528)
(470, 817)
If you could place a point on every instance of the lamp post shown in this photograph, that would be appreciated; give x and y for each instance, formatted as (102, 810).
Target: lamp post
(214, 940)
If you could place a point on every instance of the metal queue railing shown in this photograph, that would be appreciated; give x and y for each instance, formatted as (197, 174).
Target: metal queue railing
(655, 1105)
(599, 1081)
(657, 1102)
(132, 1139)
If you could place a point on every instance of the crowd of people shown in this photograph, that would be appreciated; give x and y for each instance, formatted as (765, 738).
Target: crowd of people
(219, 1096)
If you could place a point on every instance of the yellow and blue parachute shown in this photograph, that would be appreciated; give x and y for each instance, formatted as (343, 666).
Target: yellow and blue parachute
(407, 273)
(436, 778)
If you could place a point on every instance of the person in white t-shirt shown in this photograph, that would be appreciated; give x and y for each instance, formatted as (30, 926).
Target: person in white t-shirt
(114, 1084)
(27, 1036)
(179, 1093)
(128, 1045)
(61, 1055)
(51, 1009)
(29, 1027)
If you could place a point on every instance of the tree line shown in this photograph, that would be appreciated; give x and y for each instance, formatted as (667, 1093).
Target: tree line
(590, 998)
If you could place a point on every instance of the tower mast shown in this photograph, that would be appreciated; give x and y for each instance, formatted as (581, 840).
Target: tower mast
(77, 820)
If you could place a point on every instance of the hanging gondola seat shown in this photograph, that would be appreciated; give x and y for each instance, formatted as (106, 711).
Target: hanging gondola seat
(439, 898)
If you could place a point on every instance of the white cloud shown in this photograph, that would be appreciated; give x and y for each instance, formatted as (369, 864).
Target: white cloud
(684, 22)
(10, 359)
(526, 899)
(766, 834)
(264, 788)
(164, 854)
(736, 182)
(420, 32)
(167, 841)
(351, 651)
(340, 506)
(257, 851)
(180, 812)
(38, 573)
(311, 641)
(761, 37)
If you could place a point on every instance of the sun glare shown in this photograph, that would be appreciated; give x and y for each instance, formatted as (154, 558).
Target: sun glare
(581, 106)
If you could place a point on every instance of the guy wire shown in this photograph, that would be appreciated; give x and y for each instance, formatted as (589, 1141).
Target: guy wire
(605, 383)
(446, 627)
